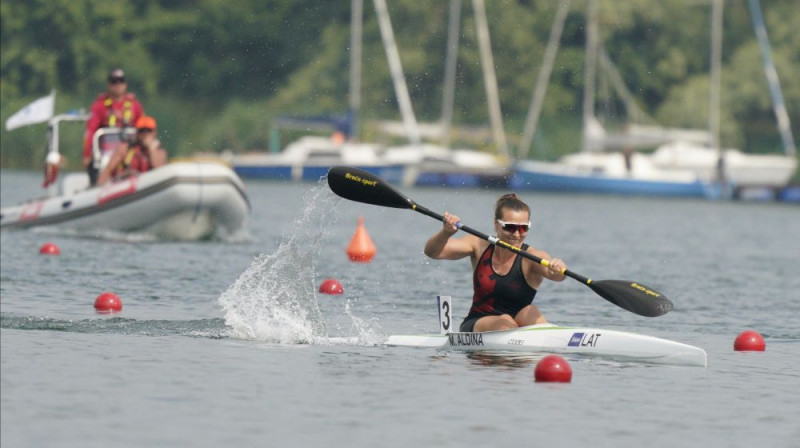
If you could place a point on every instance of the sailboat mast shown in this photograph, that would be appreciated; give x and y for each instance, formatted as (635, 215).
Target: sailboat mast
(489, 77)
(778, 105)
(590, 65)
(448, 96)
(537, 101)
(714, 90)
(396, 70)
(356, 25)
(716, 74)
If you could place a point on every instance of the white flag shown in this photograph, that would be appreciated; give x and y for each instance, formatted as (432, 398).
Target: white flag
(38, 111)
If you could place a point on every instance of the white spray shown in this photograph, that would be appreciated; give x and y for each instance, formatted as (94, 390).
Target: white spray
(274, 300)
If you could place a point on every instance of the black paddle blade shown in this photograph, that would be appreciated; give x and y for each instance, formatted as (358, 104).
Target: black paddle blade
(362, 186)
(634, 297)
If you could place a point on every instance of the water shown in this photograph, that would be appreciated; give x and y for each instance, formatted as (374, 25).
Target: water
(227, 343)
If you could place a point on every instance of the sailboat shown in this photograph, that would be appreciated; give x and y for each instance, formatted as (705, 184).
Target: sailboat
(687, 163)
(712, 162)
(311, 156)
(416, 163)
(437, 164)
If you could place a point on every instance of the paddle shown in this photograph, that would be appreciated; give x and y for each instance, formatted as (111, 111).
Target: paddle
(361, 186)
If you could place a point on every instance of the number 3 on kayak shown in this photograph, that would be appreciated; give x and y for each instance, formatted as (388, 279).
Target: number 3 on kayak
(445, 314)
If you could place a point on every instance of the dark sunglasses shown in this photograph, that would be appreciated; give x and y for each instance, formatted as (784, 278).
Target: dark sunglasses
(512, 227)
(144, 130)
(116, 80)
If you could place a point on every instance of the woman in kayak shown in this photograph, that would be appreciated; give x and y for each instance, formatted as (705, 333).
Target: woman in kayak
(504, 283)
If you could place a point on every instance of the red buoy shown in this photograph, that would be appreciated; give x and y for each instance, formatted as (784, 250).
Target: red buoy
(361, 248)
(49, 249)
(553, 369)
(749, 341)
(331, 286)
(108, 303)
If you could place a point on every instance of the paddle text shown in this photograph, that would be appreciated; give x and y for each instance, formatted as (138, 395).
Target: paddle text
(367, 182)
(645, 290)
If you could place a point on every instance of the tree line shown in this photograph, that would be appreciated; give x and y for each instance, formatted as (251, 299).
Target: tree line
(216, 73)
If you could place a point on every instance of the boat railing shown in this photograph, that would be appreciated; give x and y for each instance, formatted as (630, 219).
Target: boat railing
(53, 126)
(106, 140)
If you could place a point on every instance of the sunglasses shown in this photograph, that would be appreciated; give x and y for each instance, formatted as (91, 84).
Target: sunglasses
(116, 80)
(512, 227)
(144, 130)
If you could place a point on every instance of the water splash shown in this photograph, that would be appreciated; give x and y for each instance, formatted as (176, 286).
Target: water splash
(368, 332)
(274, 300)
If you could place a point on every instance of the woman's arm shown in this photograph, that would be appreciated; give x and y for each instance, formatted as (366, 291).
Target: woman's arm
(441, 247)
(553, 270)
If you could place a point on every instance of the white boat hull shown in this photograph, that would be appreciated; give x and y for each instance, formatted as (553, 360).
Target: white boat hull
(551, 338)
(310, 158)
(182, 201)
(741, 169)
(606, 173)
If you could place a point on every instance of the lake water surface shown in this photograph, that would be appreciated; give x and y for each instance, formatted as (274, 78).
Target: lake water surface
(223, 343)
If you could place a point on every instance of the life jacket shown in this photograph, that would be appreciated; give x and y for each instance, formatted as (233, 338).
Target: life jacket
(112, 118)
(136, 159)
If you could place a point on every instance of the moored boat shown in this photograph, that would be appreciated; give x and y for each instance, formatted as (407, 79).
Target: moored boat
(588, 172)
(740, 169)
(685, 162)
(309, 158)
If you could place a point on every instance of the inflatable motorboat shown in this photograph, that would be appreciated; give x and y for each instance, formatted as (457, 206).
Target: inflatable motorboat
(186, 200)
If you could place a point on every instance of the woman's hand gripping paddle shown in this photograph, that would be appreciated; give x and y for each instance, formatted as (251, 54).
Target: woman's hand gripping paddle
(361, 186)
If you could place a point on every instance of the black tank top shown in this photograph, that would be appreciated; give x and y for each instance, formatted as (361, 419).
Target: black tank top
(499, 294)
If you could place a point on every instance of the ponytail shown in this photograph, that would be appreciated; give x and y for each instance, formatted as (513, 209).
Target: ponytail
(512, 202)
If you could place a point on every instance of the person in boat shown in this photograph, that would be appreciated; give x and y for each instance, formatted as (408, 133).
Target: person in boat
(116, 107)
(504, 283)
(144, 154)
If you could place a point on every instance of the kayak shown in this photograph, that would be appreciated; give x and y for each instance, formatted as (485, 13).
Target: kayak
(550, 338)
(566, 340)
(361, 186)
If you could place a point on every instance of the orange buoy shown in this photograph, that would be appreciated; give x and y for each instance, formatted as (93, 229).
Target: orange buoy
(553, 368)
(361, 248)
(49, 249)
(749, 341)
(331, 286)
(108, 303)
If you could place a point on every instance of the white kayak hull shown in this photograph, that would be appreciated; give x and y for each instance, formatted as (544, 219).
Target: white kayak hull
(551, 338)
(181, 201)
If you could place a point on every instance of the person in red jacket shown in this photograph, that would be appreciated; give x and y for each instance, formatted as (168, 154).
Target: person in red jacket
(114, 108)
(143, 155)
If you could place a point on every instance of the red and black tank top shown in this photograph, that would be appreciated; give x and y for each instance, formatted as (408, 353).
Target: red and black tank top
(499, 294)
